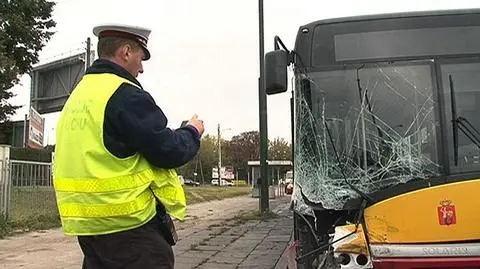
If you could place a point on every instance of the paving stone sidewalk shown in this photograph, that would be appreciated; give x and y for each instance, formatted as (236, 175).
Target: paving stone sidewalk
(238, 243)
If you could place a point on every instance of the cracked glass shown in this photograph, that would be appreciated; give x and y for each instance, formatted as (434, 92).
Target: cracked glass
(380, 121)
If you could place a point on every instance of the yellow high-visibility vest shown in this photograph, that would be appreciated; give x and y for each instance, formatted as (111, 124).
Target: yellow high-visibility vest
(98, 193)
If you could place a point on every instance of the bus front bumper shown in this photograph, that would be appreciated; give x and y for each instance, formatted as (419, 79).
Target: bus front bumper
(417, 263)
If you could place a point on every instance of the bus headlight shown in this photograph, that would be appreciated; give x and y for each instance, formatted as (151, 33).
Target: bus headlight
(351, 252)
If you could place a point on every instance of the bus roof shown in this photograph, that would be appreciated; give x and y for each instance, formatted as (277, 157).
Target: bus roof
(393, 15)
(329, 42)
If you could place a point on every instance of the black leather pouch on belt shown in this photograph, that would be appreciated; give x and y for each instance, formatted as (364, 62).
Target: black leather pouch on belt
(166, 225)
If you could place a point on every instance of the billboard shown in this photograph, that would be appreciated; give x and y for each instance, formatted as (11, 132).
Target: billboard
(53, 82)
(225, 172)
(35, 130)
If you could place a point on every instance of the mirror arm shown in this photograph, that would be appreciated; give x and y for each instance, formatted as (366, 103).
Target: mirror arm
(290, 56)
(276, 43)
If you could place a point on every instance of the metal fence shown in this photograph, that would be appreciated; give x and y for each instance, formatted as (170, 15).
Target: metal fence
(4, 188)
(30, 174)
(26, 191)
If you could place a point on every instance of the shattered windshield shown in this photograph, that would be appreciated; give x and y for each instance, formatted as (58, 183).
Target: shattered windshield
(379, 120)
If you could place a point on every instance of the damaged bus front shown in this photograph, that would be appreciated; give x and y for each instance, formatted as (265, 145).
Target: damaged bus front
(386, 140)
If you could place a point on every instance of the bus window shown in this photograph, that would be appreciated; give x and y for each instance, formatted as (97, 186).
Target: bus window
(464, 79)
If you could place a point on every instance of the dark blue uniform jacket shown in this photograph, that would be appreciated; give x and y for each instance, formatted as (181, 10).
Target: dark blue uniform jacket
(134, 123)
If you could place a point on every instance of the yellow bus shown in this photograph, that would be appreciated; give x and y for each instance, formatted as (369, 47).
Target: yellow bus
(387, 143)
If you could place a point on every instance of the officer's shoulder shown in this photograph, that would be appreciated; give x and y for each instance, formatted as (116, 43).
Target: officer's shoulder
(129, 91)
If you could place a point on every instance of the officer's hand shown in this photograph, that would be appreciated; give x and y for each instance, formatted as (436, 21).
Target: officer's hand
(198, 124)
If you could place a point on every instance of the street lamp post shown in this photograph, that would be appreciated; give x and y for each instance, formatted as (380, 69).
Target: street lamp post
(263, 204)
(219, 157)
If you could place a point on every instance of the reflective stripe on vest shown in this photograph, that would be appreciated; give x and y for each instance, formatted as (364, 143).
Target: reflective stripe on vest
(98, 193)
(109, 210)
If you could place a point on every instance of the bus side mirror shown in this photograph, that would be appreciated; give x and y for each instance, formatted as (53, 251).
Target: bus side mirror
(276, 63)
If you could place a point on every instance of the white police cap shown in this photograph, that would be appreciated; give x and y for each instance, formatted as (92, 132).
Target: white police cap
(135, 33)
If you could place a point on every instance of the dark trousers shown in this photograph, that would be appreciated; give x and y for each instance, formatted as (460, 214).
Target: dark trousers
(142, 248)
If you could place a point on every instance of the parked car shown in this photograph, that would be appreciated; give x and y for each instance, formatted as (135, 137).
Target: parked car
(190, 182)
(224, 182)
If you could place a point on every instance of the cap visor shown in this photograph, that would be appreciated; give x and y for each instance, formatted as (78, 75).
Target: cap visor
(147, 53)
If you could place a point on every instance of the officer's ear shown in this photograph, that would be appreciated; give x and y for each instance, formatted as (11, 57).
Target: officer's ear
(131, 49)
(127, 51)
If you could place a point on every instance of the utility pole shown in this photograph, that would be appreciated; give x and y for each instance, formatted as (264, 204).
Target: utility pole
(219, 156)
(88, 53)
(201, 171)
(195, 174)
(292, 127)
(264, 206)
(25, 131)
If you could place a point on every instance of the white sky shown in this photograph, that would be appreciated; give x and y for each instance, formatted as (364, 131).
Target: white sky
(205, 52)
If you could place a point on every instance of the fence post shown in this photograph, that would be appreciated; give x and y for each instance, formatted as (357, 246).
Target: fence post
(4, 180)
(51, 167)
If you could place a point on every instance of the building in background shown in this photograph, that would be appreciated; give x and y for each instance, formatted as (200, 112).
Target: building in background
(13, 133)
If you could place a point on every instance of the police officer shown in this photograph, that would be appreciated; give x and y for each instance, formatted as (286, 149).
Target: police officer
(114, 174)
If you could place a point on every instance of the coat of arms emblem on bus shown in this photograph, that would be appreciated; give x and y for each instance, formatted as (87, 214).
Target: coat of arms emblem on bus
(446, 213)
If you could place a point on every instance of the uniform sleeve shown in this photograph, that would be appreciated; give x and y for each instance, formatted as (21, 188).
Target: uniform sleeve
(142, 126)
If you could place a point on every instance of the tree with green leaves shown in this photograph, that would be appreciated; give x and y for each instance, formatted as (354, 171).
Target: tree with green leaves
(206, 159)
(236, 153)
(241, 149)
(25, 28)
(280, 149)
